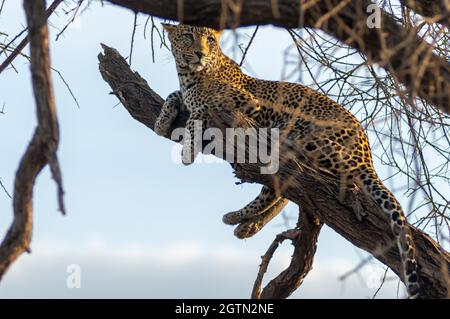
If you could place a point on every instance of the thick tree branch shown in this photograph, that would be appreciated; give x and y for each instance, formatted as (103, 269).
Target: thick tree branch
(410, 59)
(42, 148)
(311, 192)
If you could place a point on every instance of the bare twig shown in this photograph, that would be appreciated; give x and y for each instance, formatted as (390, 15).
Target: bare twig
(67, 86)
(11, 42)
(4, 188)
(383, 280)
(355, 270)
(18, 49)
(72, 19)
(1, 6)
(248, 45)
(132, 37)
(152, 33)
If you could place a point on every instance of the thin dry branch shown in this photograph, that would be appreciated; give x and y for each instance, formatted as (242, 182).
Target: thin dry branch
(244, 54)
(308, 190)
(130, 56)
(72, 19)
(43, 146)
(4, 189)
(390, 46)
(18, 49)
(1, 6)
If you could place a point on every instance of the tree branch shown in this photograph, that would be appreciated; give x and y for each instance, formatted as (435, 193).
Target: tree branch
(42, 148)
(18, 49)
(304, 239)
(308, 190)
(437, 10)
(410, 59)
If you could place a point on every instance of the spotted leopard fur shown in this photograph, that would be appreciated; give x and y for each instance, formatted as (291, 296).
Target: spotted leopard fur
(328, 136)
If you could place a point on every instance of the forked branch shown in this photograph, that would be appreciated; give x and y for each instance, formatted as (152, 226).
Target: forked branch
(304, 238)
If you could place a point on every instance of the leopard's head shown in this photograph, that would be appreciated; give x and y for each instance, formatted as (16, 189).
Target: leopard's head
(195, 48)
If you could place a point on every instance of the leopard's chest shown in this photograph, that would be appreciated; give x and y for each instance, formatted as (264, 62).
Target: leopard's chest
(195, 98)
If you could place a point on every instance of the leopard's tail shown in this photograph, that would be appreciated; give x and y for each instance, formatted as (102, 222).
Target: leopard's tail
(372, 185)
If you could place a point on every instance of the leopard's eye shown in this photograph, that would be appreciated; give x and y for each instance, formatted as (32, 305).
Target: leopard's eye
(211, 39)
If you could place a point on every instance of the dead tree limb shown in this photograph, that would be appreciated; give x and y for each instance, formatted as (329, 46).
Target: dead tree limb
(398, 50)
(304, 238)
(312, 193)
(43, 146)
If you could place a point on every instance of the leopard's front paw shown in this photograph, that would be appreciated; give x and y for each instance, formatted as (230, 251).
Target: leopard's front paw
(161, 128)
(187, 156)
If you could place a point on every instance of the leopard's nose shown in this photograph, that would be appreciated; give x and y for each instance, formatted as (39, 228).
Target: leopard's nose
(199, 54)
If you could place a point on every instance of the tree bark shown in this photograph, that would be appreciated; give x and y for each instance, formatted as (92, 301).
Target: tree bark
(400, 51)
(314, 194)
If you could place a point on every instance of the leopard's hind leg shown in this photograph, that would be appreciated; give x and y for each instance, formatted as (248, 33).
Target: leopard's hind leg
(252, 226)
(265, 200)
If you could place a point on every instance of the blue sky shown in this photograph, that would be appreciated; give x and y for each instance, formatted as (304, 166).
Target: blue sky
(138, 224)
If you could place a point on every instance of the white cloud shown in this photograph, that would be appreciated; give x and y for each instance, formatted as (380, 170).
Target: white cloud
(179, 270)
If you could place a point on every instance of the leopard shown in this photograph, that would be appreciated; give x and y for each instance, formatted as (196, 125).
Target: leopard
(329, 137)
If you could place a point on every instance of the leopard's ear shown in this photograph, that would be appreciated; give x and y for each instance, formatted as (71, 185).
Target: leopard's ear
(218, 33)
(169, 27)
